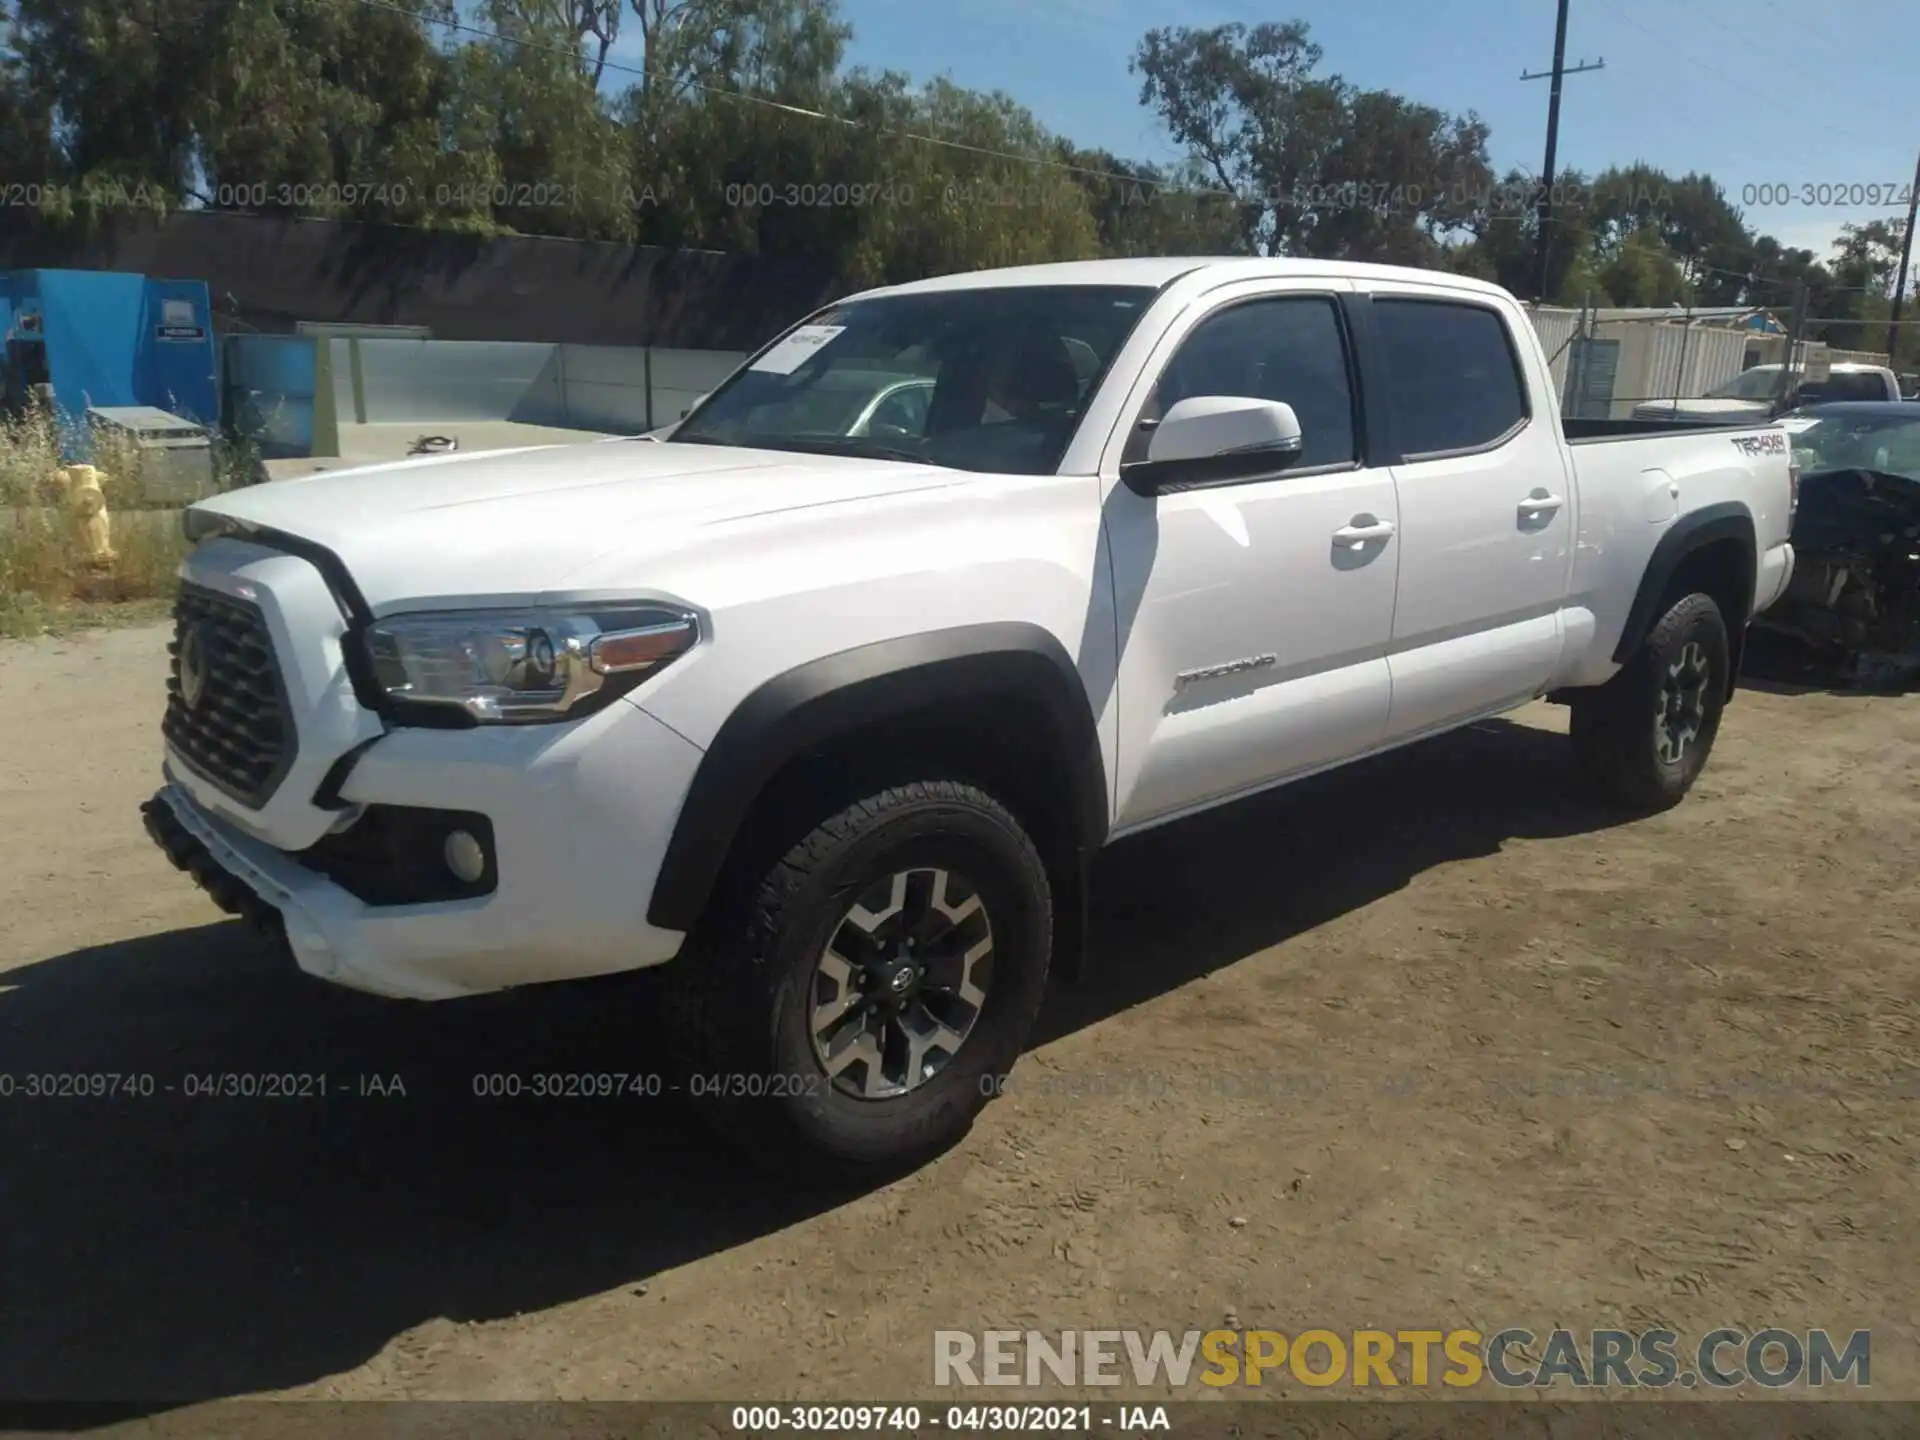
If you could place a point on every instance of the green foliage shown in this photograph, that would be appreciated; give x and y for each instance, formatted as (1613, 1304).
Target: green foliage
(737, 125)
(1317, 167)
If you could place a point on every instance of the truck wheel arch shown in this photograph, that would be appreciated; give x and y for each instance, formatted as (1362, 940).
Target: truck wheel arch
(1728, 524)
(806, 708)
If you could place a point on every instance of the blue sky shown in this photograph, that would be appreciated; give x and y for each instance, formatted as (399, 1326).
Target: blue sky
(1792, 92)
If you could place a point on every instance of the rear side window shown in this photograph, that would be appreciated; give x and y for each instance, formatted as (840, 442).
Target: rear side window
(1451, 374)
(1853, 386)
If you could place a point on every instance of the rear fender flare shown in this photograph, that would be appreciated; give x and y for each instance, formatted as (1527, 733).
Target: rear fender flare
(1692, 532)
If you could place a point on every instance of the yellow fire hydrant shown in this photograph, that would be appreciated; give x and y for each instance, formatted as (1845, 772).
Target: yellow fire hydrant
(87, 512)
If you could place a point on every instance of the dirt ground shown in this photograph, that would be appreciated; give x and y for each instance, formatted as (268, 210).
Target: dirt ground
(1432, 1042)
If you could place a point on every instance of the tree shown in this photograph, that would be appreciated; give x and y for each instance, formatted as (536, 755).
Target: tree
(588, 27)
(122, 80)
(307, 106)
(326, 107)
(1501, 227)
(1863, 272)
(1317, 166)
(1395, 182)
(692, 50)
(1777, 274)
(1153, 210)
(744, 131)
(1641, 270)
(550, 154)
(714, 108)
(29, 157)
(1246, 105)
(1691, 220)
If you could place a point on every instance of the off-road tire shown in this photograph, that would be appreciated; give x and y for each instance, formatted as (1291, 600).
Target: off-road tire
(740, 1001)
(1615, 730)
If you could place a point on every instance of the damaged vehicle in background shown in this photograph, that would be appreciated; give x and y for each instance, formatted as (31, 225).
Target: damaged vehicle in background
(1855, 594)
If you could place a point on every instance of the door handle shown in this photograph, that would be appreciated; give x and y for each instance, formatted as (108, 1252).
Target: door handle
(1541, 504)
(1363, 530)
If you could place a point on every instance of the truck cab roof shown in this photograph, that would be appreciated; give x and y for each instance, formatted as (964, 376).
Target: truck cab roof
(1157, 272)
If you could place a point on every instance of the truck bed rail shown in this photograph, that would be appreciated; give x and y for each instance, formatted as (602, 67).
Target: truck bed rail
(1589, 432)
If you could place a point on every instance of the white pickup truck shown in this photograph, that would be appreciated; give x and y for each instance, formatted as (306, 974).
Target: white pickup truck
(831, 724)
(1755, 394)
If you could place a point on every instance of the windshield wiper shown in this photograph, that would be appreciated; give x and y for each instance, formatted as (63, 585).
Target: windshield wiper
(847, 445)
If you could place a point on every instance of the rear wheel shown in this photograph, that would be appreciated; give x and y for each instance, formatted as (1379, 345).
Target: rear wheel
(859, 998)
(1645, 735)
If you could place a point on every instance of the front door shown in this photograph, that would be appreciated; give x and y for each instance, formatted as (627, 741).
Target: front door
(1254, 616)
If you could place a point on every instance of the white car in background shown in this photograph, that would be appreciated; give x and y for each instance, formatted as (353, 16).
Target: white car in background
(1751, 395)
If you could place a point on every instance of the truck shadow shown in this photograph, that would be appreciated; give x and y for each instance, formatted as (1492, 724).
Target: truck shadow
(1173, 905)
(163, 1247)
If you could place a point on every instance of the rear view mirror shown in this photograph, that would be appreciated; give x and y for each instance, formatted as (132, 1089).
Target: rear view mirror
(1216, 439)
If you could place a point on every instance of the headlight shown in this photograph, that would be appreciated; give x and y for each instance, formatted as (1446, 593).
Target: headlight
(508, 666)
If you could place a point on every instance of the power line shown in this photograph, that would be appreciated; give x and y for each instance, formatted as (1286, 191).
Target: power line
(1802, 23)
(1713, 70)
(800, 110)
(1735, 33)
(983, 151)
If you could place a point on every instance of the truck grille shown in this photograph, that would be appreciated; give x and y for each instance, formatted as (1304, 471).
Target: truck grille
(227, 714)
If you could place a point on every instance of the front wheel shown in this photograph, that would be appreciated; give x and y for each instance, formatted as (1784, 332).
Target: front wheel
(1645, 735)
(860, 998)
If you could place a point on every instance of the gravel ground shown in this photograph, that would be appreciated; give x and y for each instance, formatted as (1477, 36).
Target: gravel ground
(1429, 1042)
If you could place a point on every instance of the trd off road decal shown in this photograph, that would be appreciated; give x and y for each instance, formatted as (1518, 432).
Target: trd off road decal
(1771, 443)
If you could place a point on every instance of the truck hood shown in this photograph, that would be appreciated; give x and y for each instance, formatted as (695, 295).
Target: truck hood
(523, 522)
(1732, 409)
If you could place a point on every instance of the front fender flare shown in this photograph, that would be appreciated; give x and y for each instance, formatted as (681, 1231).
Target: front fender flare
(803, 708)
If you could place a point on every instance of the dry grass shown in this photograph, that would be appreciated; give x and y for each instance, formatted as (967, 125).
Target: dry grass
(46, 582)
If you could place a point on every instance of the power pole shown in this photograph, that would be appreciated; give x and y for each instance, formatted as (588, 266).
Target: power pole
(1785, 386)
(1906, 255)
(1557, 74)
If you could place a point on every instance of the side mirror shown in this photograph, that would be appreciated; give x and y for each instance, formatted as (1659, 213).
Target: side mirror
(1213, 440)
(698, 401)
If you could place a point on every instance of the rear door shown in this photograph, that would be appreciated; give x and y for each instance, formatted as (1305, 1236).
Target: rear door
(1486, 507)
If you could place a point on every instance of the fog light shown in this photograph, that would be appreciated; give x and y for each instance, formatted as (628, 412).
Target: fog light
(465, 857)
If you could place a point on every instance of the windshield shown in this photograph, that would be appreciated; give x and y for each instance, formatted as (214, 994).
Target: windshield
(978, 379)
(1889, 443)
(1753, 385)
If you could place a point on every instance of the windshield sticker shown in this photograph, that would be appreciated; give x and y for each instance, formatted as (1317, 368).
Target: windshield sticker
(797, 348)
(1795, 426)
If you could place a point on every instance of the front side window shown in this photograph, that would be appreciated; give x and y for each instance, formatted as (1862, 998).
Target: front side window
(1452, 376)
(900, 412)
(1289, 348)
(992, 379)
